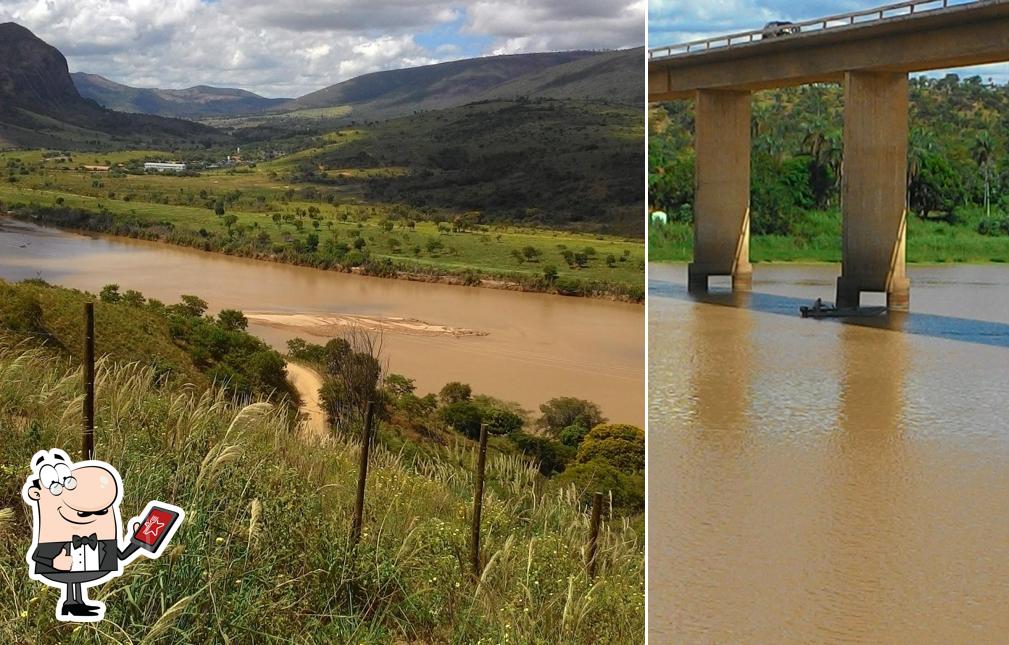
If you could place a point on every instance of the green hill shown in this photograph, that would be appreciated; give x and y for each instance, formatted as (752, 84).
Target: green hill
(541, 162)
(429, 87)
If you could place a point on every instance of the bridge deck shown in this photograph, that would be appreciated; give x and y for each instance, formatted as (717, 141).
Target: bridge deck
(910, 37)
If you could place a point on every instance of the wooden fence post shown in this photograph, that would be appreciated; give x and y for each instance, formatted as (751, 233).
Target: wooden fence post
(362, 476)
(597, 513)
(481, 464)
(88, 440)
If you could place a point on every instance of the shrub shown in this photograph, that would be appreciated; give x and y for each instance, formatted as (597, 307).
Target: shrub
(564, 411)
(626, 489)
(620, 445)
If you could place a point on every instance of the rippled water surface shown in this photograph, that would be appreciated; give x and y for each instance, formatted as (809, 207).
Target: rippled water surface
(820, 481)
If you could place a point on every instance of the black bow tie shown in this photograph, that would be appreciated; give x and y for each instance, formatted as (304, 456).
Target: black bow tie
(90, 540)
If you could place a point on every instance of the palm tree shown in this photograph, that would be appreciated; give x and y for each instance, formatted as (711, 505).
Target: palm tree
(982, 152)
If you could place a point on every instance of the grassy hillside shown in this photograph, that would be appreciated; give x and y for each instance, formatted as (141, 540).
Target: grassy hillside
(179, 342)
(429, 87)
(555, 163)
(612, 77)
(127, 334)
(264, 552)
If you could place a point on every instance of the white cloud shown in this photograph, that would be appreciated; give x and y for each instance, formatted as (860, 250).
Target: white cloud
(295, 47)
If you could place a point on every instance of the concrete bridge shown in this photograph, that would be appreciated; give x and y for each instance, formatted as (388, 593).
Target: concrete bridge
(871, 53)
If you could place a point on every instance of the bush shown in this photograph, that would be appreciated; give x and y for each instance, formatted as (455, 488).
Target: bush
(565, 411)
(455, 392)
(19, 311)
(463, 417)
(552, 456)
(573, 435)
(620, 445)
(626, 489)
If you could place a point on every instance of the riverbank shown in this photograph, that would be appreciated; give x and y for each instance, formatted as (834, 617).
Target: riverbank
(818, 239)
(356, 239)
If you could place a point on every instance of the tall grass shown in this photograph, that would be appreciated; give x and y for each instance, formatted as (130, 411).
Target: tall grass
(264, 554)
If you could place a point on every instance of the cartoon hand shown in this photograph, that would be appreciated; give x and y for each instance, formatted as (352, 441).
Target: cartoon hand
(135, 527)
(63, 562)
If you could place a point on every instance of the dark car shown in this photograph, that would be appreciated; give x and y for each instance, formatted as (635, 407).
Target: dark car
(779, 28)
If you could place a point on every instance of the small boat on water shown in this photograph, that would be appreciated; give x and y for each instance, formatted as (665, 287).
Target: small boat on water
(821, 309)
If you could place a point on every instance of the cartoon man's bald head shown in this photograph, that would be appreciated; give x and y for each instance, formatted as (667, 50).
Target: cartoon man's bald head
(73, 499)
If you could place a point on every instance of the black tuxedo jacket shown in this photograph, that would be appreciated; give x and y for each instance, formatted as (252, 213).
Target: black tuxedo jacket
(108, 556)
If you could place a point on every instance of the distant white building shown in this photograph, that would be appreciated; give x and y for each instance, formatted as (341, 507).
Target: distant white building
(162, 167)
(659, 217)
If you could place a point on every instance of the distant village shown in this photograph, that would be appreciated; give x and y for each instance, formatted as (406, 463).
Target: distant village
(162, 166)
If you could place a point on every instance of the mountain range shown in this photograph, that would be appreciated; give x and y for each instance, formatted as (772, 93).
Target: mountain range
(39, 105)
(191, 103)
(42, 104)
(612, 76)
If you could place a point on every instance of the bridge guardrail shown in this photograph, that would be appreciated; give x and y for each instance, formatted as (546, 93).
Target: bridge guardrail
(809, 26)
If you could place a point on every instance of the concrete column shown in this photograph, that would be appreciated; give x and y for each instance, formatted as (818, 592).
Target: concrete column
(722, 189)
(874, 188)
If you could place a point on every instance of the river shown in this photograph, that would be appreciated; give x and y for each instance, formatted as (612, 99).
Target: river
(522, 347)
(817, 481)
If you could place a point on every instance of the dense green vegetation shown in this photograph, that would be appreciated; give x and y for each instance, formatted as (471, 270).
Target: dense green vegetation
(958, 173)
(264, 553)
(563, 164)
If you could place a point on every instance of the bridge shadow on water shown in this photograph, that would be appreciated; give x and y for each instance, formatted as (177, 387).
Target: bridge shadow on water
(967, 330)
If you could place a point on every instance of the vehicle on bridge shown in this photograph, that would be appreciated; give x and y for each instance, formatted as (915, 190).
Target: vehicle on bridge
(779, 28)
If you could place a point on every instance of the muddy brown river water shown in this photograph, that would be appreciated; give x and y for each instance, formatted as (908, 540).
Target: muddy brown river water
(522, 347)
(813, 481)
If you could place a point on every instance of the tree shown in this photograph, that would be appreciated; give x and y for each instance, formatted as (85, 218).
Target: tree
(984, 148)
(561, 412)
(219, 208)
(399, 385)
(463, 417)
(501, 421)
(549, 273)
(233, 320)
(353, 373)
(455, 392)
(552, 456)
(573, 435)
(110, 294)
(134, 298)
(620, 445)
(191, 306)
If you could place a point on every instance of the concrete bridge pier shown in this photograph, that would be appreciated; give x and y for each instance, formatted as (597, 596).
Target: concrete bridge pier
(722, 189)
(874, 188)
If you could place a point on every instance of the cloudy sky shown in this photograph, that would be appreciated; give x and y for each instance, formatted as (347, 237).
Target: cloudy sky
(288, 48)
(677, 21)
